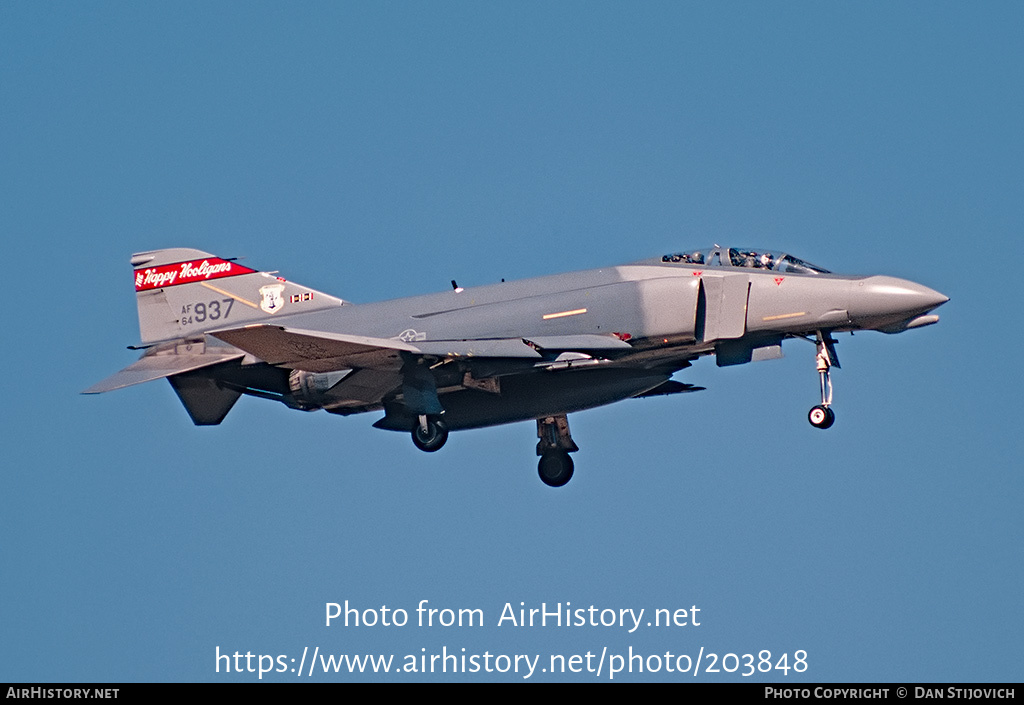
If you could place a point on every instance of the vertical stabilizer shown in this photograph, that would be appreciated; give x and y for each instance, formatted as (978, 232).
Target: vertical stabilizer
(183, 293)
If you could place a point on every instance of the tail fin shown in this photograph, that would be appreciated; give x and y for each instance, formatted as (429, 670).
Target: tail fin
(183, 293)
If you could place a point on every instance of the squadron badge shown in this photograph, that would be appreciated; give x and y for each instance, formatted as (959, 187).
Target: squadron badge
(272, 298)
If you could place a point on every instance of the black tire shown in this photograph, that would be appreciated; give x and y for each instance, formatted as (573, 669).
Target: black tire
(555, 468)
(821, 416)
(435, 437)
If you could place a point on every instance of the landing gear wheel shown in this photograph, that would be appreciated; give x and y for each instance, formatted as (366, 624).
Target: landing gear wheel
(555, 468)
(432, 438)
(821, 416)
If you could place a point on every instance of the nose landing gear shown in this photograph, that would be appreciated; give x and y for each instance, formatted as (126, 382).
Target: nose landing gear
(821, 416)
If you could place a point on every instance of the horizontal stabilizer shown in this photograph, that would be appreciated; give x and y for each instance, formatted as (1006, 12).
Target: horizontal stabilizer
(163, 364)
(206, 402)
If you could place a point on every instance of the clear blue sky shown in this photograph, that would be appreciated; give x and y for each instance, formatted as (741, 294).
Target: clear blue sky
(374, 150)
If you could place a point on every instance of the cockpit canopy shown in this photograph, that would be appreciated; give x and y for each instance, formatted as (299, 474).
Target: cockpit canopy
(753, 258)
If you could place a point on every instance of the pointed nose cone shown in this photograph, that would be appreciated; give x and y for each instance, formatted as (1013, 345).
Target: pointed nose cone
(891, 304)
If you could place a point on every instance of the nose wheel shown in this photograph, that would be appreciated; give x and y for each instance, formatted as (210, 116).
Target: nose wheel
(821, 416)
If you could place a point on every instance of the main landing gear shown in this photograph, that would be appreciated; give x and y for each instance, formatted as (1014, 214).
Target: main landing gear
(821, 416)
(555, 467)
(429, 434)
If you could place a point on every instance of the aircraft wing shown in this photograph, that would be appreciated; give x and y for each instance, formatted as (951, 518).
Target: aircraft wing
(601, 344)
(315, 351)
(533, 347)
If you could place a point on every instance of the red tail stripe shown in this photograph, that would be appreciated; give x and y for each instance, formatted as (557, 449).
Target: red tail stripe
(186, 273)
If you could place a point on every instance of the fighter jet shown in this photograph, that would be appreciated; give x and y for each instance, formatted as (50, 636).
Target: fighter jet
(536, 349)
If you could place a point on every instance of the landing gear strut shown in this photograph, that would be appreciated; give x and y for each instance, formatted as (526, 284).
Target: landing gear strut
(429, 434)
(822, 416)
(555, 467)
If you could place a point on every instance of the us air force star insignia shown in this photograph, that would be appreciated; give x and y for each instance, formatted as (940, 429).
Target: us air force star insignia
(271, 299)
(409, 335)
